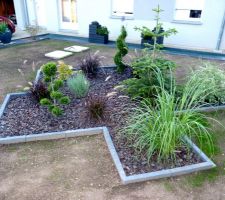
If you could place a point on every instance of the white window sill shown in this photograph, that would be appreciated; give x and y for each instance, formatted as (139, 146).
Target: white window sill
(187, 22)
(122, 17)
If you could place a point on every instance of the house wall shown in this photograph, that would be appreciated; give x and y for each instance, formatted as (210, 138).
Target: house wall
(201, 36)
(52, 15)
(20, 11)
(31, 11)
(41, 12)
(143, 9)
(223, 42)
(143, 15)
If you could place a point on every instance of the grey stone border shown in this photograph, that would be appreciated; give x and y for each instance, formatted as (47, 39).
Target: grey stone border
(16, 94)
(50, 135)
(210, 108)
(206, 164)
(7, 100)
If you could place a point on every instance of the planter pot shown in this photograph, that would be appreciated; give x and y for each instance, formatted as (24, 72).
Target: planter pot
(161, 38)
(95, 38)
(6, 37)
(150, 40)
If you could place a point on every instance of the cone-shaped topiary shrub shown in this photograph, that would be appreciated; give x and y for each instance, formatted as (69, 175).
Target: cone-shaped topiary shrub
(122, 50)
(54, 84)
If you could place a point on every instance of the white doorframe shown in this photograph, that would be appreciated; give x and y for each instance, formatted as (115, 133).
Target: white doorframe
(68, 19)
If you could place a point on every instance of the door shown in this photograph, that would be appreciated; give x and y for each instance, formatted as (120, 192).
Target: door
(68, 14)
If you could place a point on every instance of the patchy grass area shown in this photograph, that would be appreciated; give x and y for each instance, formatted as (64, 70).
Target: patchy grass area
(81, 168)
(212, 175)
(13, 58)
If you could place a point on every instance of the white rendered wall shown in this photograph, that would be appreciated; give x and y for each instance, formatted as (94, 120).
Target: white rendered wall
(20, 14)
(52, 15)
(41, 12)
(200, 36)
(31, 10)
(44, 12)
(203, 36)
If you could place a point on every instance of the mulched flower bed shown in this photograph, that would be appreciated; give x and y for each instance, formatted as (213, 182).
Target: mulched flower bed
(25, 116)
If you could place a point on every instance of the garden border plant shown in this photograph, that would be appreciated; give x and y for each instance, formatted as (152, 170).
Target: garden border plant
(206, 164)
(155, 37)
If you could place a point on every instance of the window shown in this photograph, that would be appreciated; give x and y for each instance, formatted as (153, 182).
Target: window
(123, 8)
(189, 10)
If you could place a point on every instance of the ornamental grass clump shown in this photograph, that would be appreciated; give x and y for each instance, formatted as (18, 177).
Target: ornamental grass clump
(160, 130)
(90, 64)
(79, 85)
(214, 78)
(39, 90)
(3, 27)
(96, 106)
(56, 98)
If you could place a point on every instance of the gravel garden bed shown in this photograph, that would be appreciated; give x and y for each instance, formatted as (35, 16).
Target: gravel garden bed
(24, 116)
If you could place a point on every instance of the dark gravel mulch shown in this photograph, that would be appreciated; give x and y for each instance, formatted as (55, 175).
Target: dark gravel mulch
(25, 116)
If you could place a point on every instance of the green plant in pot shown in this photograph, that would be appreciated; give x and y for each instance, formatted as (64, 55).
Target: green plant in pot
(102, 30)
(5, 33)
(156, 36)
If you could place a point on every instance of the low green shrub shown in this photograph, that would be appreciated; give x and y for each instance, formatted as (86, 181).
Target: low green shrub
(78, 85)
(102, 30)
(145, 80)
(146, 33)
(64, 70)
(159, 130)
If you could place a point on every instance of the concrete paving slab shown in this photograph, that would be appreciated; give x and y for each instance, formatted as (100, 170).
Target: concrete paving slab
(58, 54)
(76, 49)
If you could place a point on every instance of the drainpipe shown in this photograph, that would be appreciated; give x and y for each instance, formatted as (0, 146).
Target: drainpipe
(221, 33)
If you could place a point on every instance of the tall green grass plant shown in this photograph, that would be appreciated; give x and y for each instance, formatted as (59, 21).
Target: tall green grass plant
(160, 129)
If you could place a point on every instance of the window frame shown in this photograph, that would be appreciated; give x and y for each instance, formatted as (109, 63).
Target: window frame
(125, 17)
(188, 20)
